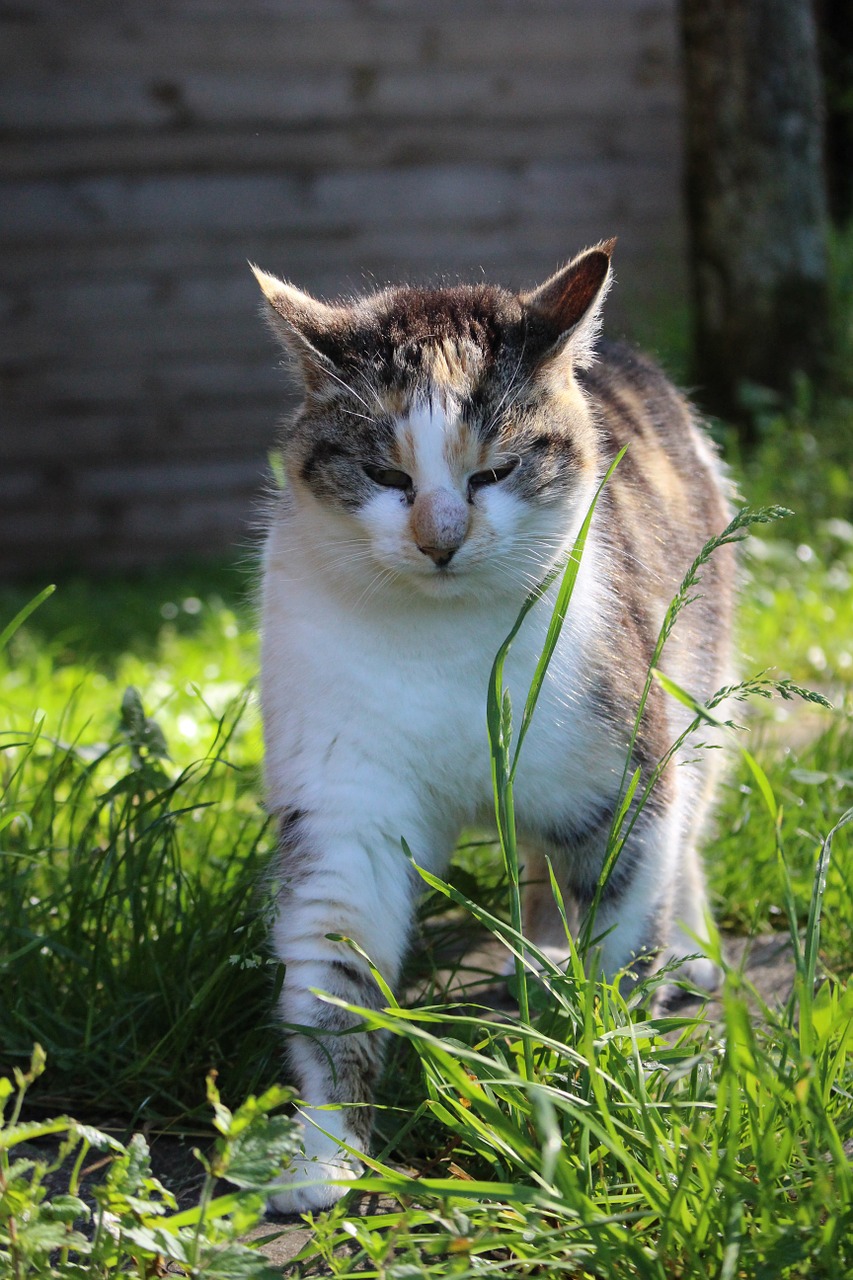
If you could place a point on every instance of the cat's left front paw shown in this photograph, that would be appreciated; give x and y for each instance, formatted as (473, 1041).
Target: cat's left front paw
(308, 1183)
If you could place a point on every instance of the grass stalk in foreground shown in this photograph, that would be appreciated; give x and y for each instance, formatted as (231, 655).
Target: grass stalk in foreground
(499, 724)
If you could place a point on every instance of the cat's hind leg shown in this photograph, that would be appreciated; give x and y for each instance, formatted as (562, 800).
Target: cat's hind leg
(542, 922)
(654, 900)
(655, 905)
(689, 912)
(687, 932)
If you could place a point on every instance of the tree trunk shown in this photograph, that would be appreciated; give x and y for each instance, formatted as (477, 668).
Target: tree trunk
(756, 195)
(835, 27)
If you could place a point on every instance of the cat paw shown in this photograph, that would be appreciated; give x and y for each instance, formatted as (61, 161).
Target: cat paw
(307, 1184)
(703, 973)
(699, 972)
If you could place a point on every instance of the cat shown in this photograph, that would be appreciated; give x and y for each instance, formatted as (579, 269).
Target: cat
(446, 452)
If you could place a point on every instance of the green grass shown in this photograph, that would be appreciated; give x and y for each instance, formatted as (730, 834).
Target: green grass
(130, 1224)
(133, 881)
(586, 1138)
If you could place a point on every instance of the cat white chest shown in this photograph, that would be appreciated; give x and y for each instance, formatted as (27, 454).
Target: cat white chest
(379, 713)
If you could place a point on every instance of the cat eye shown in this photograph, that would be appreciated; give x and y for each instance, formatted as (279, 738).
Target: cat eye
(388, 477)
(493, 475)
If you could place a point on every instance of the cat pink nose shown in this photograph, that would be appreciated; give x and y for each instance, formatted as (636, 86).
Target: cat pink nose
(439, 524)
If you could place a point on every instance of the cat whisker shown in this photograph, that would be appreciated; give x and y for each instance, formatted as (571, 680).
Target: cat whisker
(342, 542)
(544, 557)
(372, 391)
(381, 579)
(347, 560)
(509, 388)
(509, 564)
(350, 390)
(353, 413)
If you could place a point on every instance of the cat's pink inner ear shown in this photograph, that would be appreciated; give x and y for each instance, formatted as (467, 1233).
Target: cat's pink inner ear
(567, 297)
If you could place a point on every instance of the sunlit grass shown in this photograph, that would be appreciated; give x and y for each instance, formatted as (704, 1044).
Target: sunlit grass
(134, 865)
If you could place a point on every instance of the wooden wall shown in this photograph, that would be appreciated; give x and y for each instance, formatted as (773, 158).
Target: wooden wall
(151, 147)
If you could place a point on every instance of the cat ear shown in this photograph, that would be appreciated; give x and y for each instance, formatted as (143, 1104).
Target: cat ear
(307, 328)
(568, 305)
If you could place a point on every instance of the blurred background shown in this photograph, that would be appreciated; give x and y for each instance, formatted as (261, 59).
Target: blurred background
(150, 150)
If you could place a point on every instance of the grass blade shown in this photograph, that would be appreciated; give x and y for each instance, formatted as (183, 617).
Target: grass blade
(21, 617)
(558, 616)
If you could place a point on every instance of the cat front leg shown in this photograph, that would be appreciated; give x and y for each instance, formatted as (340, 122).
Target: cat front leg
(361, 890)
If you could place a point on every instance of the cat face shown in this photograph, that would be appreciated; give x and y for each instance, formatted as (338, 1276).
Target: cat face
(443, 437)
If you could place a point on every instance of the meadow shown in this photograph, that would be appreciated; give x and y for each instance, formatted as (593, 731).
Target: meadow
(581, 1136)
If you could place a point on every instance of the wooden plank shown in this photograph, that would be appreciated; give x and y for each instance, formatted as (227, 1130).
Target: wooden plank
(216, 306)
(116, 206)
(226, 522)
(172, 432)
(114, 13)
(640, 190)
(80, 384)
(122, 100)
(168, 480)
(48, 11)
(116, 341)
(139, 534)
(164, 46)
(650, 133)
(37, 528)
(260, 99)
(333, 202)
(18, 486)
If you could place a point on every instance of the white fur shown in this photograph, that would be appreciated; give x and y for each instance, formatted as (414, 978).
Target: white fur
(309, 1182)
(374, 673)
